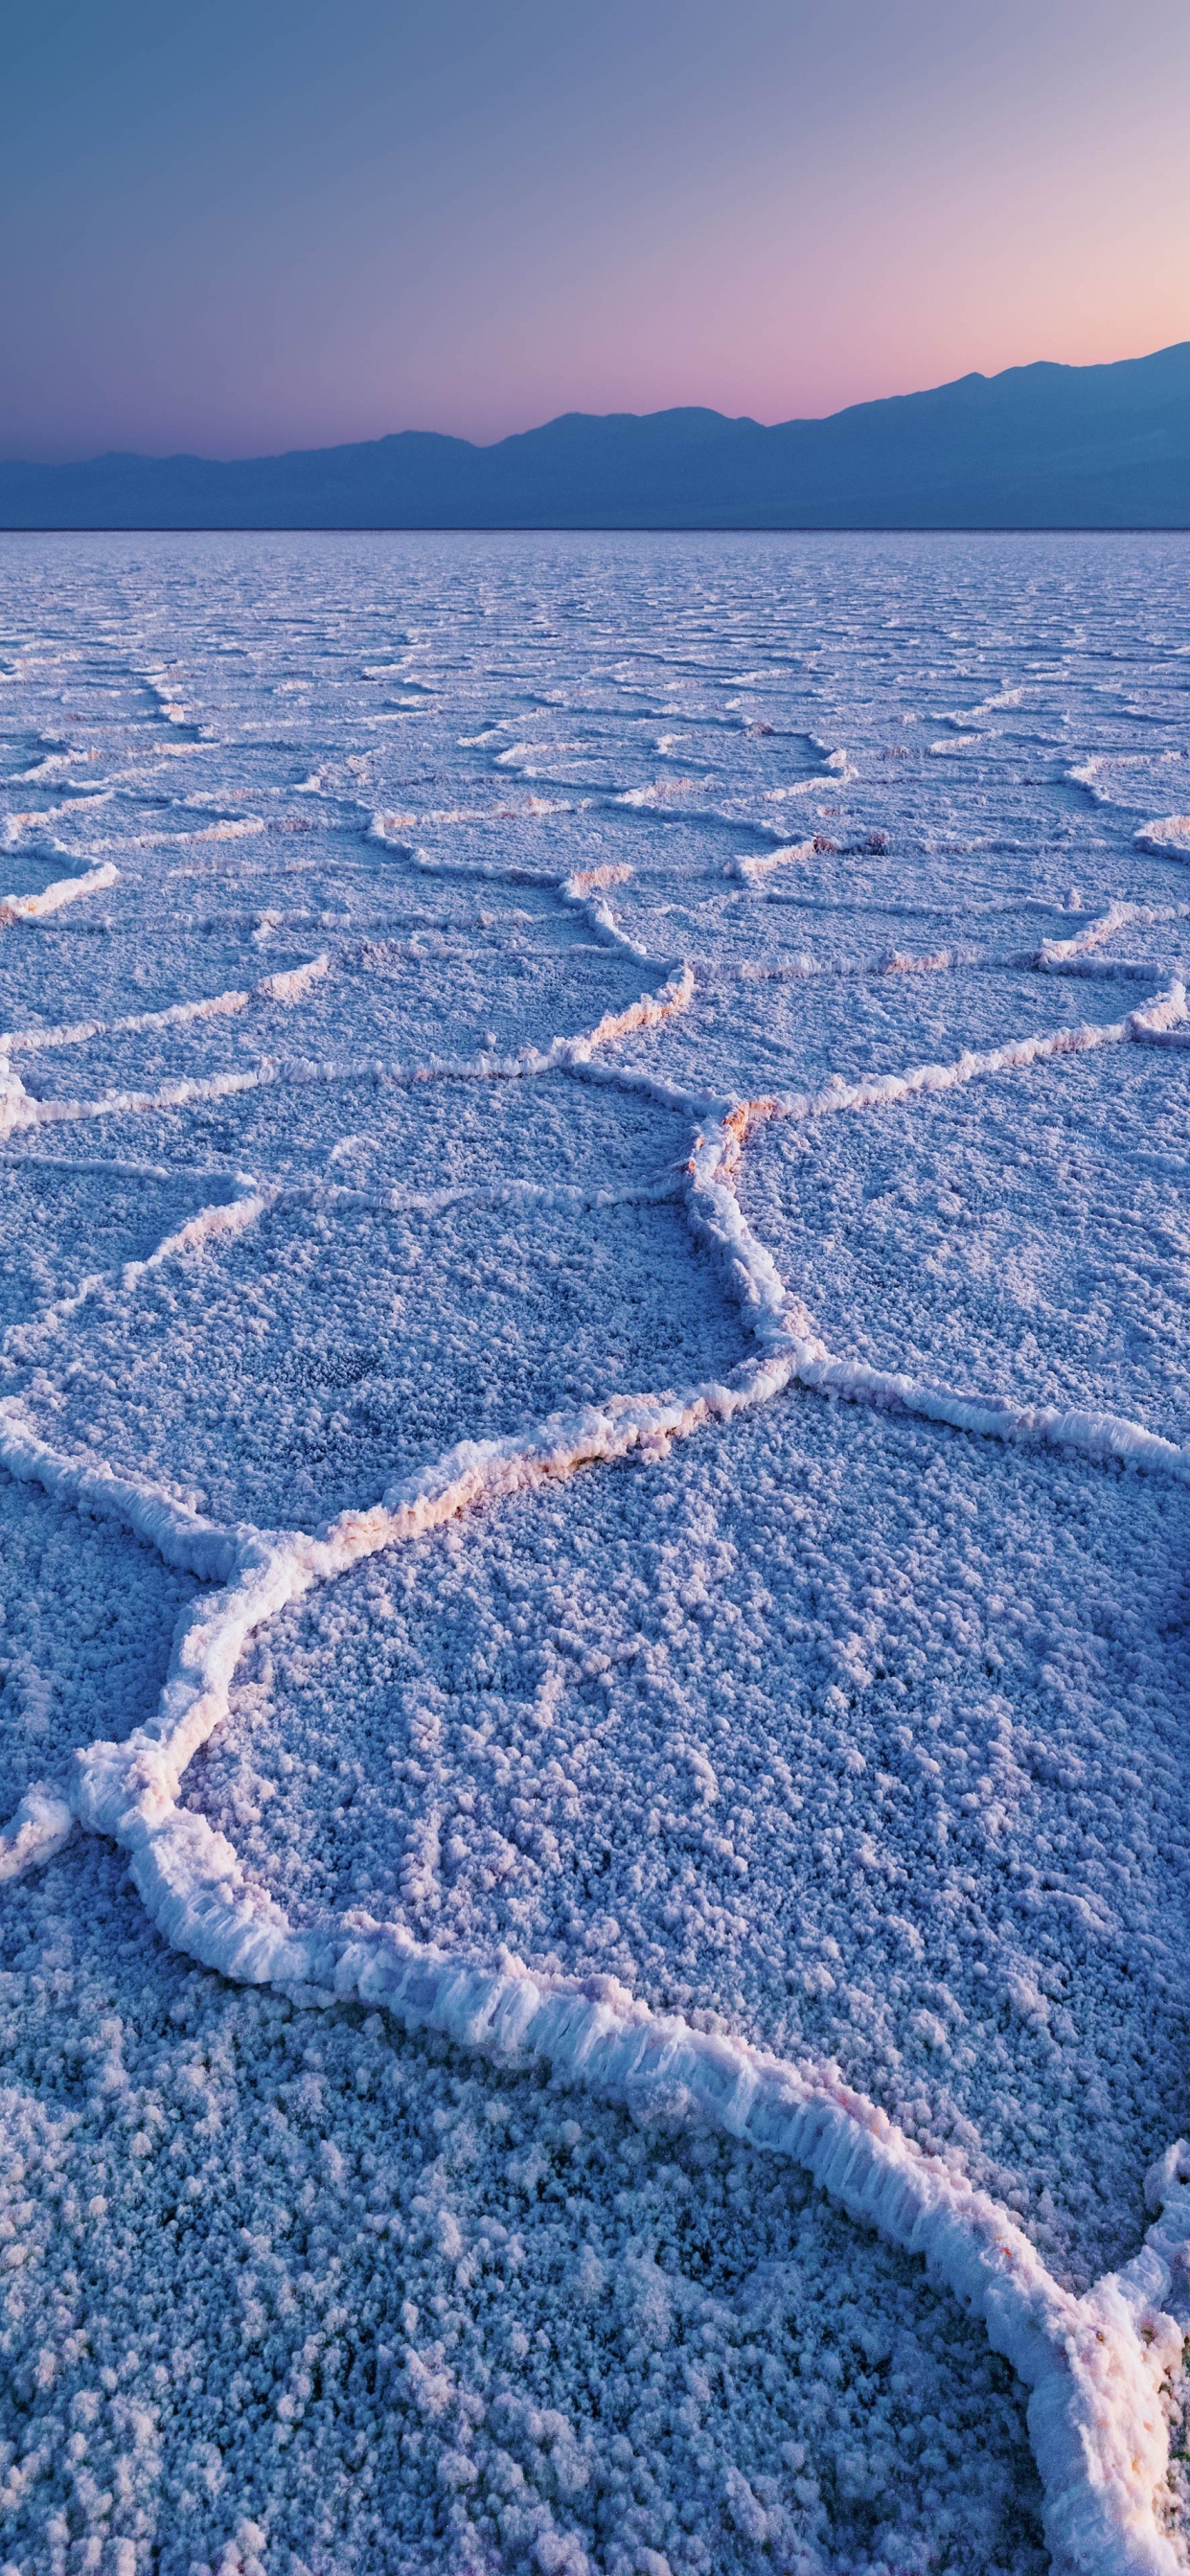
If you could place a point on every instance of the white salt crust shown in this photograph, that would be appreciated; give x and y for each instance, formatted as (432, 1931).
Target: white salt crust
(52, 898)
(1097, 2365)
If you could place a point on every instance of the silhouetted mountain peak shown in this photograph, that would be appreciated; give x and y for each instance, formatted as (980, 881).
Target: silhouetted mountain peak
(1037, 445)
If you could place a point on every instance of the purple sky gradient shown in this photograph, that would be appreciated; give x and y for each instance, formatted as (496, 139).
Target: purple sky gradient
(255, 224)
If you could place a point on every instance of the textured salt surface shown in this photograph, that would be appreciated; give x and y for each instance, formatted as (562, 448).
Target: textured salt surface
(521, 1036)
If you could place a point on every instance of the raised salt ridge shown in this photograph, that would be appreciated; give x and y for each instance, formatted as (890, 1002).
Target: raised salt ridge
(452, 1187)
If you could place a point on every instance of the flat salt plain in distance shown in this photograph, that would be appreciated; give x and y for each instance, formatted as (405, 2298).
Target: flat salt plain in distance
(475, 990)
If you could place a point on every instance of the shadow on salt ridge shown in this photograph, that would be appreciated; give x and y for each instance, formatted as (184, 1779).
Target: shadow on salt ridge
(863, 1737)
(85, 1639)
(1027, 1236)
(563, 2316)
(59, 1226)
(319, 1356)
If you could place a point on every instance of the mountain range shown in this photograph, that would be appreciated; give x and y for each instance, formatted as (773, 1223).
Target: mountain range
(1037, 446)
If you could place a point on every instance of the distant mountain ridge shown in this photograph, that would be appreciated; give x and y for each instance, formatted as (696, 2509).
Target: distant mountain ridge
(1038, 446)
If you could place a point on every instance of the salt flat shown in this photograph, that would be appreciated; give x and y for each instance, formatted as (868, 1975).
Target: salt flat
(593, 1262)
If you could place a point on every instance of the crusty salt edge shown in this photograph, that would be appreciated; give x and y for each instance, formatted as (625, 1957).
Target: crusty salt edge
(215, 1006)
(20, 1109)
(1154, 1022)
(395, 1201)
(1162, 1021)
(168, 704)
(749, 871)
(43, 1822)
(837, 771)
(1093, 2365)
(34, 907)
(1094, 1435)
(264, 1573)
(1074, 957)
(1099, 970)
(289, 987)
(1054, 952)
(773, 1318)
(1095, 2417)
(234, 1214)
(229, 828)
(582, 891)
(1168, 838)
(293, 983)
(180, 1535)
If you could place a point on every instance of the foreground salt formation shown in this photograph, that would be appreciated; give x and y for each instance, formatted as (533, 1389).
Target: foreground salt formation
(1101, 2365)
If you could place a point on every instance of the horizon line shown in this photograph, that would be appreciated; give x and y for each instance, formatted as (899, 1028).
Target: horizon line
(612, 527)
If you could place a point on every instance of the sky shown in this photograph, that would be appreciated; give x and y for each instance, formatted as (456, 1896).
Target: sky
(258, 224)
